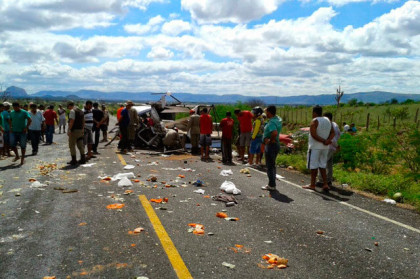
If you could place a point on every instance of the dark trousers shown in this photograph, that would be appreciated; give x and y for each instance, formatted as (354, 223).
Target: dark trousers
(97, 132)
(271, 151)
(35, 137)
(49, 134)
(227, 150)
(124, 142)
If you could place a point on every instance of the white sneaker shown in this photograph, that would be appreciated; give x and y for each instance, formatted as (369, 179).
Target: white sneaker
(268, 188)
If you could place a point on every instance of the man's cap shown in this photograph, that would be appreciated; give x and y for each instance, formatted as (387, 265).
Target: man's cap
(7, 104)
(130, 103)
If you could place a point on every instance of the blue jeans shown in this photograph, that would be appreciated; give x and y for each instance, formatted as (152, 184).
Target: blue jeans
(271, 151)
(49, 133)
(16, 137)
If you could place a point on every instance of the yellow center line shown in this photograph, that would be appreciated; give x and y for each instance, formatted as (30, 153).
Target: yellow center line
(123, 162)
(178, 264)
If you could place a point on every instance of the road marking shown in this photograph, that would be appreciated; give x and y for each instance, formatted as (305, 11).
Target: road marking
(178, 264)
(123, 162)
(353, 206)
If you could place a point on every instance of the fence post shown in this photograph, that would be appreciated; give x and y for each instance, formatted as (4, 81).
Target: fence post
(395, 122)
(367, 121)
(417, 115)
(379, 125)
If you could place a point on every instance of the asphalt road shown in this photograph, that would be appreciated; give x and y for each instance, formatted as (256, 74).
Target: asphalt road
(47, 232)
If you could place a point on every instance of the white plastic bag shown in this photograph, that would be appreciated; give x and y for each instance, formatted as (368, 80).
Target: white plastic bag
(230, 188)
(121, 175)
(129, 167)
(199, 191)
(124, 182)
(226, 172)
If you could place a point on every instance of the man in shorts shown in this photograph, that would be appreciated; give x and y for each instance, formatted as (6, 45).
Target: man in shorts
(50, 116)
(35, 127)
(227, 125)
(19, 123)
(245, 127)
(105, 124)
(193, 128)
(206, 129)
(320, 137)
(98, 119)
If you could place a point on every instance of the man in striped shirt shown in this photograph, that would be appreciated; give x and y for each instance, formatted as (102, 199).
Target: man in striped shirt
(88, 138)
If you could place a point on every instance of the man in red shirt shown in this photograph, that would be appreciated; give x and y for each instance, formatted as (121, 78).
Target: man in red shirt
(206, 129)
(227, 133)
(50, 115)
(245, 127)
(119, 112)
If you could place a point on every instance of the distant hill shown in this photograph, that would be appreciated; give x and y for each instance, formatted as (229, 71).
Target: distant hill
(366, 97)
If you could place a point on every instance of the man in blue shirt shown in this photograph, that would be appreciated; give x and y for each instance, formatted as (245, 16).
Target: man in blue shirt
(272, 146)
(123, 122)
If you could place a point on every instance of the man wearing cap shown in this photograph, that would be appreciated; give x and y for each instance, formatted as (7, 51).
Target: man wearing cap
(75, 131)
(133, 126)
(50, 116)
(6, 134)
(19, 122)
(193, 128)
(123, 122)
(245, 127)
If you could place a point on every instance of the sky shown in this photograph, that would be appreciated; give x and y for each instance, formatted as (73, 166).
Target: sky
(248, 47)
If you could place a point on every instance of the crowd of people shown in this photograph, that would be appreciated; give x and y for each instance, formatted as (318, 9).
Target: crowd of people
(32, 123)
(258, 135)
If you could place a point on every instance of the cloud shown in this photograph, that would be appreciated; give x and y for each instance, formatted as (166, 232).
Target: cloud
(140, 29)
(160, 53)
(141, 4)
(176, 27)
(236, 11)
(339, 3)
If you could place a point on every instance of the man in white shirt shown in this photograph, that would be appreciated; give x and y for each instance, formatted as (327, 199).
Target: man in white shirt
(320, 137)
(332, 149)
(346, 127)
(35, 128)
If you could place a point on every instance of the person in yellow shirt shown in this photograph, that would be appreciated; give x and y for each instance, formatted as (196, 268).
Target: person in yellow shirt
(256, 136)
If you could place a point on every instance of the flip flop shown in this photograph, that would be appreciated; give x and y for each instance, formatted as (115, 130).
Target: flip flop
(308, 187)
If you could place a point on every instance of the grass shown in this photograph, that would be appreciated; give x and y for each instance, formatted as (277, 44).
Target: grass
(379, 184)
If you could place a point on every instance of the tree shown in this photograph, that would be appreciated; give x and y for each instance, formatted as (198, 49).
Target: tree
(338, 96)
(394, 101)
(255, 102)
(352, 102)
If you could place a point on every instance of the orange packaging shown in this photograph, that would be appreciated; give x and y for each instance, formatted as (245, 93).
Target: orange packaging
(115, 206)
(221, 215)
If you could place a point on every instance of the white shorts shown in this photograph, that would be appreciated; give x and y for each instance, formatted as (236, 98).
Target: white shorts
(317, 158)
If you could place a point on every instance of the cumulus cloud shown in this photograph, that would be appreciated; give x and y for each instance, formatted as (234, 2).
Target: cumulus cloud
(152, 26)
(141, 4)
(236, 11)
(160, 53)
(176, 27)
(346, 2)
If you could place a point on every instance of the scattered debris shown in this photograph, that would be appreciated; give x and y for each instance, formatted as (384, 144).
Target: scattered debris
(67, 191)
(221, 215)
(268, 241)
(138, 230)
(198, 183)
(88, 165)
(38, 185)
(278, 177)
(228, 265)
(226, 172)
(129, 167)
(245, 171)
(274, 261)
(320, 232)
(230, 188)
(82, 224)
(199, 191)
(197, 228)
(368, 249)
(226, 199)
(124, 182)
(115, 206)
(390, 201)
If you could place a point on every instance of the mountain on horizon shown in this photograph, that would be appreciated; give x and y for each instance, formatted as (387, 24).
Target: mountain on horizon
(325, 99)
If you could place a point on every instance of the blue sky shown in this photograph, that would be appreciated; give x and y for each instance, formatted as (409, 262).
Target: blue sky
(251, 47)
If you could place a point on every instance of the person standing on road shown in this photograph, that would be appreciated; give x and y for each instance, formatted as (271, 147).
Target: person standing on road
(50, 116)
(227, 125)
(245, 127)
(256, 136)
(61, 119)
(272, 145)
(105, 124)
(193, 128)
(1, 132)
(123, 122)
(6, 127)
(35, 128)
(320, 136)
(206, 129)
(333, 147)
(133, 126)
(98, 119)
(119, 111)
(19, 122)
(88, 136)
(75, 132)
